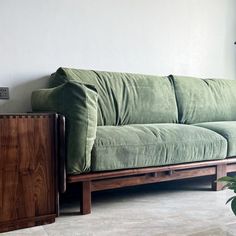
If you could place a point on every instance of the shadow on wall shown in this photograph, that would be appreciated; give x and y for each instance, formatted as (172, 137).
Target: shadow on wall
(20, 96)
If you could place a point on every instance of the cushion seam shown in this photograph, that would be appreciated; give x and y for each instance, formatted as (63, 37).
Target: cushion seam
(152, 144)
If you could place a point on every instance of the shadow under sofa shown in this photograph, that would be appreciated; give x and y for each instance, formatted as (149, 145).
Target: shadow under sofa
(122, 129)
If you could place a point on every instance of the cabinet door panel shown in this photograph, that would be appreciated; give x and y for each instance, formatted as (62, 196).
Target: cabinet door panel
(9, 161)
(27, 170)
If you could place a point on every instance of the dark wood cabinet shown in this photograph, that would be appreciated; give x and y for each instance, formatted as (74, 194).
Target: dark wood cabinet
(28, 183)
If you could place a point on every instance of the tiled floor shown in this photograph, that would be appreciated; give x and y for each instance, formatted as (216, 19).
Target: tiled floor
(173, 209)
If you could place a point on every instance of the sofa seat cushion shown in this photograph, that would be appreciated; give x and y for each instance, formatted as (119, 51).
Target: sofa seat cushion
(134, 146)
(225, 128)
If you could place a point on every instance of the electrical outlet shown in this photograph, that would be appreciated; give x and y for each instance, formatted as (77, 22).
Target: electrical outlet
(4, 93)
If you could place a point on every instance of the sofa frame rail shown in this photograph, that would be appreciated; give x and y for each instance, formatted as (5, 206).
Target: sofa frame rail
(97, 181)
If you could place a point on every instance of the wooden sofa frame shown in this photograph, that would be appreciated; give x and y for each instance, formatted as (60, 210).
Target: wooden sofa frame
(91, 182)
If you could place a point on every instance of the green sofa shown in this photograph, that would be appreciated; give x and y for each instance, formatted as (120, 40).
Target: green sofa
(123, 121)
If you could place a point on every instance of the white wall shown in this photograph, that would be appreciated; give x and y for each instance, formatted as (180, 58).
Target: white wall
(188, 37)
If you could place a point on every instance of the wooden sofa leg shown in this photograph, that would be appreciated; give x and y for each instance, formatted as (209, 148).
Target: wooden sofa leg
(220, 172)
(85, 201)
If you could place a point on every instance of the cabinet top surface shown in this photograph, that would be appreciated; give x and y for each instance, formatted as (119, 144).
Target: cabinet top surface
(28, 114)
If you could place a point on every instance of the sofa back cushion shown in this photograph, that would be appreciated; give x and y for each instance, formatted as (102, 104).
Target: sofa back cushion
(125, 98)
(204, 100)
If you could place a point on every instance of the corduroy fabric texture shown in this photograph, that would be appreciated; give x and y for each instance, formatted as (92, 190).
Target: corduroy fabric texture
(133, 119)
(134, 146)
(78, 102)
(225, 128)
(125, 98)
(205, 100)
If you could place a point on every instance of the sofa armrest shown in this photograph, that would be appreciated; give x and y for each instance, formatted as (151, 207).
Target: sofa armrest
(78, 103)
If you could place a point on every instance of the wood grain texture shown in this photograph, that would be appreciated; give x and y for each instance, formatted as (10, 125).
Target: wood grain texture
(85, 201)
(149, 178)
(231, 168)
(129, 172)
(28, 184)
(221, 171)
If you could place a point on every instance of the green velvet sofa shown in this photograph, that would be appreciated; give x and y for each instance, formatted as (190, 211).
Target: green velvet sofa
(125, 129)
